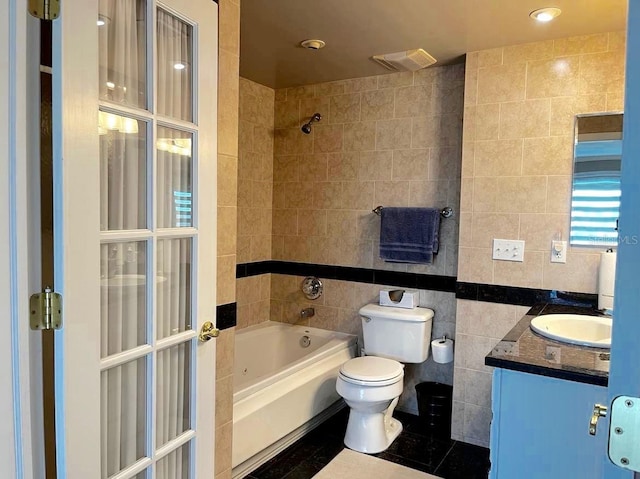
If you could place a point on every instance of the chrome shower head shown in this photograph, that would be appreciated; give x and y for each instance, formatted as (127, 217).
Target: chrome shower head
(306, 128)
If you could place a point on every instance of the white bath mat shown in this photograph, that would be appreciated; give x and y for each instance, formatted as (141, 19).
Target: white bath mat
(354, 465)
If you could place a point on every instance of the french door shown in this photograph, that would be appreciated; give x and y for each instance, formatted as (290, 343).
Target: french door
(134, 88)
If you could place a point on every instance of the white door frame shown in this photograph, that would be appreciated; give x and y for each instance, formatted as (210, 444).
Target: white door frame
(21, 439)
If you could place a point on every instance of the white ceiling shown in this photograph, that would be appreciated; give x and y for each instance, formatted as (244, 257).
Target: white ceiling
(271, 31)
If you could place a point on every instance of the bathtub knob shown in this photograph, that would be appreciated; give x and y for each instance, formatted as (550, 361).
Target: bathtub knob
(208, 331)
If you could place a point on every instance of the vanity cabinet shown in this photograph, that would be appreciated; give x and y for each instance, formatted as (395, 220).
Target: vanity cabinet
(540, 428)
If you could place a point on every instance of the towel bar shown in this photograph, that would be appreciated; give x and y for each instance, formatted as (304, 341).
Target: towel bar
(446, 212)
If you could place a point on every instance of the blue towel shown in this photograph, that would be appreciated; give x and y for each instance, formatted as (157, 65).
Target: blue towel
(409, 235)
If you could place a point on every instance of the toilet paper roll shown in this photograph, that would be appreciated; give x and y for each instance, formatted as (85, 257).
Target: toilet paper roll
(607, 273)
(442, 350)
(606, 280)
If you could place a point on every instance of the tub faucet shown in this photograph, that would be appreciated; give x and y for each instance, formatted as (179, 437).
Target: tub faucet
(307, 313)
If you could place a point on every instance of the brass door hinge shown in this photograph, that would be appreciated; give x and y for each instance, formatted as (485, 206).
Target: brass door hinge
(44, 9)
(46, 310)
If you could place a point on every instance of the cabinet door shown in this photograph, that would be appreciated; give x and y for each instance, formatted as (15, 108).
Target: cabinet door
(540, 428)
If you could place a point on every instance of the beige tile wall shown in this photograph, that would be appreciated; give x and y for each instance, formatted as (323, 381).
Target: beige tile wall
(520, 103)
(519, 109)
(337, 310)
(255, 171)
(391, 140)
(255, 195)
(228, 80)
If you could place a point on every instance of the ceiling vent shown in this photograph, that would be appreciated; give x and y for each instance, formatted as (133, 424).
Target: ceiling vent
(408, 61)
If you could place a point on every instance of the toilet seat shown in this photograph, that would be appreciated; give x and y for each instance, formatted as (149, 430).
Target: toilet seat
(372, 371)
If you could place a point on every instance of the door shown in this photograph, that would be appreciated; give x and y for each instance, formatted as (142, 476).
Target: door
(624, 376)
(21, 442)
(134, 113)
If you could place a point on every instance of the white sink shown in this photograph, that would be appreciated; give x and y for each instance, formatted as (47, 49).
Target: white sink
(577, 329)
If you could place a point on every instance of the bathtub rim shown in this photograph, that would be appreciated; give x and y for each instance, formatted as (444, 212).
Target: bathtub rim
(336, 341)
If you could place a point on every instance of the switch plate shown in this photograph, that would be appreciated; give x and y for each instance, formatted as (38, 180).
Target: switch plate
(558, 251)
(508, 250)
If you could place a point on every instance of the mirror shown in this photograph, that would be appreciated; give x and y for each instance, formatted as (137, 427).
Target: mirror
(595, 197)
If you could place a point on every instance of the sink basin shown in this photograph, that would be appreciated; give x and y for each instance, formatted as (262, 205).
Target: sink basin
(577, 329)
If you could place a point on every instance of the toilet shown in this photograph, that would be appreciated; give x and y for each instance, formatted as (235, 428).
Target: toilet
(372, 384)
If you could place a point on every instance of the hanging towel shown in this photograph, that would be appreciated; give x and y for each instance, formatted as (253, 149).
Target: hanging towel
(409, 235)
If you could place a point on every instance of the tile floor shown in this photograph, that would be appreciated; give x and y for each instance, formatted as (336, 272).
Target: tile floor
(414, 448)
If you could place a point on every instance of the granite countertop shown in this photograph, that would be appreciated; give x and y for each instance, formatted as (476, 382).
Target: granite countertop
(523, 350)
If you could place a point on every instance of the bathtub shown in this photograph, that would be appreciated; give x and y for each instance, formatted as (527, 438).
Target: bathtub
(284, 385)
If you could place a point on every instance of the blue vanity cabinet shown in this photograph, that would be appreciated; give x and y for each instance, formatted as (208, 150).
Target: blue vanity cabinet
(540, 428)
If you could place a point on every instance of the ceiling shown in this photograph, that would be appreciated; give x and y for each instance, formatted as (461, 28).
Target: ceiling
(354, 30)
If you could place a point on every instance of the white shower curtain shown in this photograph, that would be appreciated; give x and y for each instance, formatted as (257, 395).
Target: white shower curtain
(124, 289)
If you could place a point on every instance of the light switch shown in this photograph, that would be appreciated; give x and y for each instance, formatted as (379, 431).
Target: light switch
(508, 250)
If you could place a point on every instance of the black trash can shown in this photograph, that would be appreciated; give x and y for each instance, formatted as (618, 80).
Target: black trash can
(434, 408)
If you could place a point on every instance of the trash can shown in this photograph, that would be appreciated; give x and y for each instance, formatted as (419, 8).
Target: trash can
(434, 408)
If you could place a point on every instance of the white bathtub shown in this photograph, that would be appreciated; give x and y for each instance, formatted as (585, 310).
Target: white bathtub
(282, 388)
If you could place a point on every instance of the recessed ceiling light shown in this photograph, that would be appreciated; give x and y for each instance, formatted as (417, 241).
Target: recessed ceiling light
(314, 44)
(545, 14)
(179, 66)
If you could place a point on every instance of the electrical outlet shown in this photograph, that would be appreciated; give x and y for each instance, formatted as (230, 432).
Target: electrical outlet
(558, 251)
(505, 348)
(553, 354)
(508, 250)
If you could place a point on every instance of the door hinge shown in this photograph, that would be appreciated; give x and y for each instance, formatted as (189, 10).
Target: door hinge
(44, 9)
(46, 310)
(624, 432)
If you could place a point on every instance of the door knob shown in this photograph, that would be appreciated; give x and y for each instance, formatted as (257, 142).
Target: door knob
(208, 331)
(598, 411)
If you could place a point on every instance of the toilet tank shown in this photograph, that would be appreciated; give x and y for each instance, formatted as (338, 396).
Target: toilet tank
(397, 333)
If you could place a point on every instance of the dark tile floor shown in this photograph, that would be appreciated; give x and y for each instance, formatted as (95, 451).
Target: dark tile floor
(414, 448)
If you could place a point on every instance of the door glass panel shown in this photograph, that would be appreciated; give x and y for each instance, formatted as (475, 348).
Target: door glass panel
(122, 51)
(175, 67)
(123, 172)
(174, 287)
(123, 416)
(175, 465)
(173, 394)
(123, 296)
(174, 160)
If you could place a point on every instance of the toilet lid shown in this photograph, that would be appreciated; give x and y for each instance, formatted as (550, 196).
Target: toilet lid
(372, 369)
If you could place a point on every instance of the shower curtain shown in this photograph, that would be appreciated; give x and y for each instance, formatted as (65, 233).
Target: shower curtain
(124, 191)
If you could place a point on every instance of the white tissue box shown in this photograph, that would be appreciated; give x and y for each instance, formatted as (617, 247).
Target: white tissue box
(409, 298)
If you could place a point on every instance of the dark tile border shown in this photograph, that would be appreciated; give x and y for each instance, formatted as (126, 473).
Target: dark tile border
(490, 293)
(347, 273)
(493, 293)
(226, 316)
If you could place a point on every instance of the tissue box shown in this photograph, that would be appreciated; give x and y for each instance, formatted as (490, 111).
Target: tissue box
(409, 298)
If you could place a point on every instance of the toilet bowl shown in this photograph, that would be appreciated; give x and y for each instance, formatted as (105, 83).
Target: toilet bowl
(371, 387)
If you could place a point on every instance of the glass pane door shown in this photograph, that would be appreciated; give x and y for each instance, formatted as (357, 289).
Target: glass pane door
(148, 144)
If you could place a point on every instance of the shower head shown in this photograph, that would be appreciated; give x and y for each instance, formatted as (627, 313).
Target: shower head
(306, 128)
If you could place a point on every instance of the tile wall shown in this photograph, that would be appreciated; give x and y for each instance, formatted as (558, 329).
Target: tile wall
(255, 196)
(337, 310)
(228, 79)
(393, 140)
(517, 155)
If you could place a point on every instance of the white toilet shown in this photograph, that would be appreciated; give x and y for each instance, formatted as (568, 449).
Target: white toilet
(372, 384)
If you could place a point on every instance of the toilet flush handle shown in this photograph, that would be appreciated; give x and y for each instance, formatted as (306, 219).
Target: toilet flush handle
(366, 319)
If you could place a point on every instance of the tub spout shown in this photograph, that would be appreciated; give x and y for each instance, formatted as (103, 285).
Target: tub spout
(307, 313)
